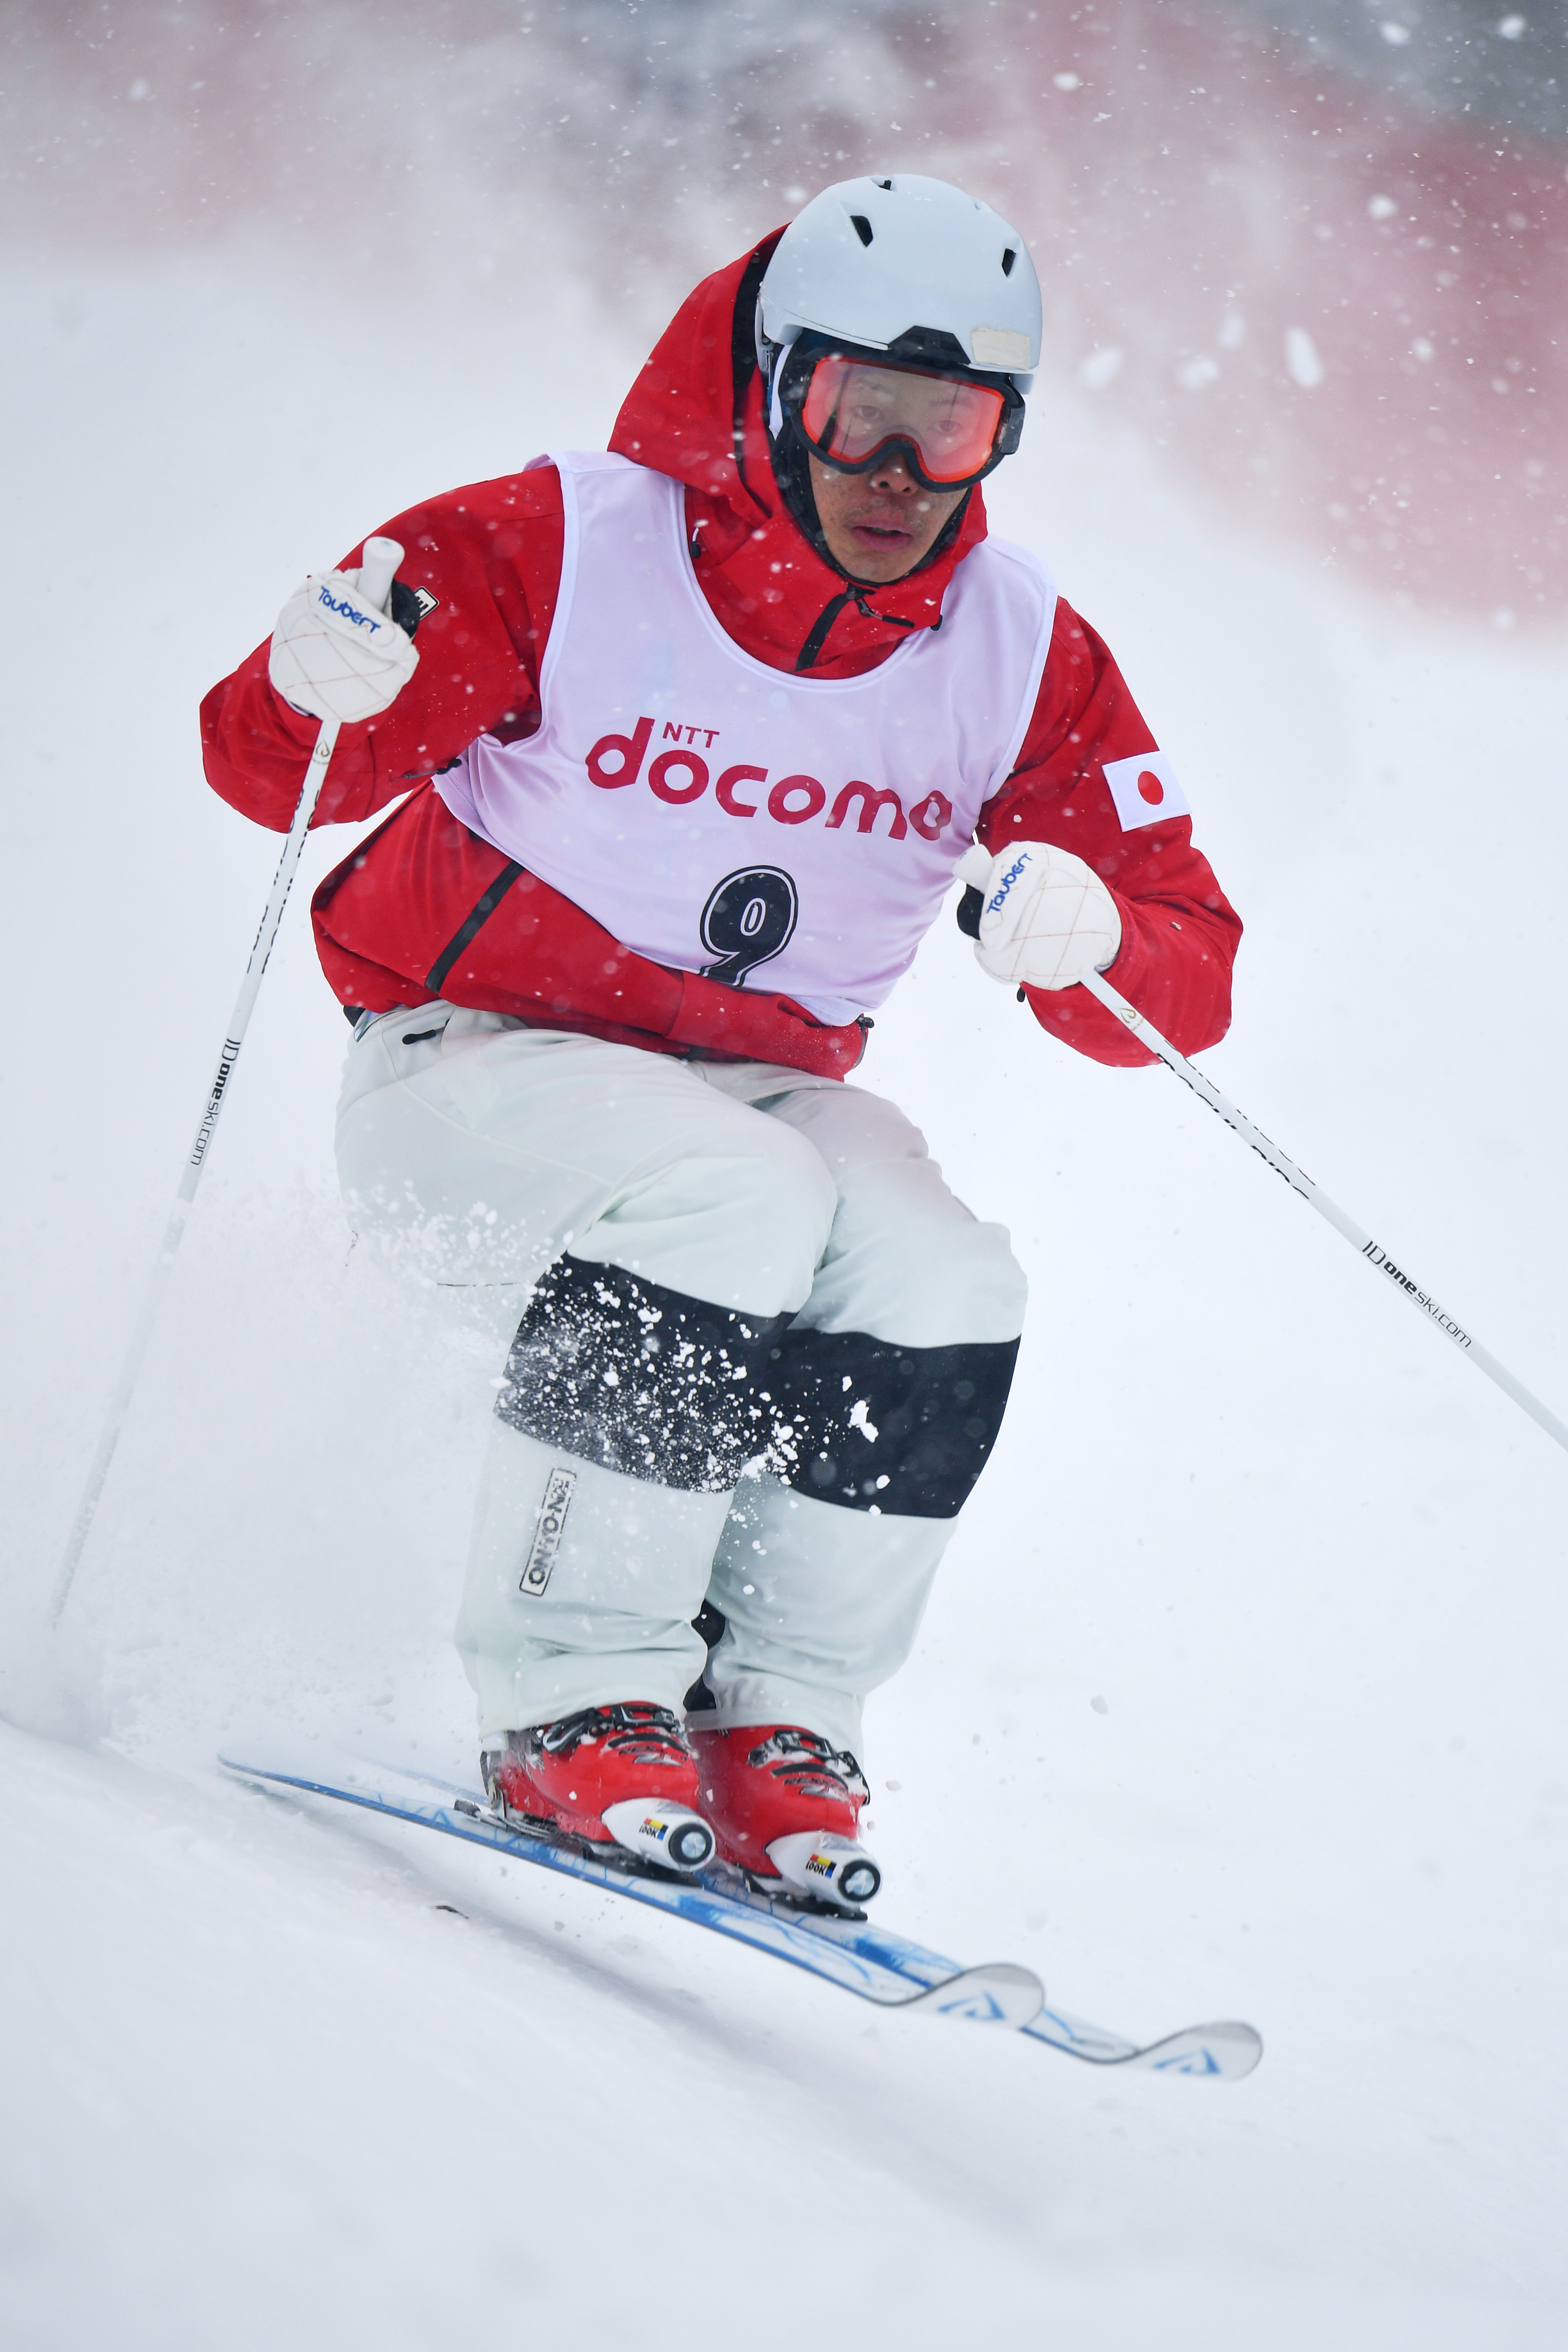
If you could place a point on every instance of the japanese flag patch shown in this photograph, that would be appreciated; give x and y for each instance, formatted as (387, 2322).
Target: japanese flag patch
(1145, 790)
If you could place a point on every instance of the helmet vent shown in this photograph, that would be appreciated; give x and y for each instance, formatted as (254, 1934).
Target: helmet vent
(861, 226)
(1009, 258)
(882, 183)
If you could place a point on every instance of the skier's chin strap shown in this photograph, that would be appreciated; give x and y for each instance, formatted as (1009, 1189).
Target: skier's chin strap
(791, 471)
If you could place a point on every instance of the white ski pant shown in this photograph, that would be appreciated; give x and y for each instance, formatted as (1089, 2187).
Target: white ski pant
(763, 1355)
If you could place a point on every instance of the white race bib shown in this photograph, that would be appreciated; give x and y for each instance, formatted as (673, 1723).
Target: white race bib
(796, 834)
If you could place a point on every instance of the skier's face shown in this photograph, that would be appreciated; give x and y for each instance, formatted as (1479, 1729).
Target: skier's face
(881, 524)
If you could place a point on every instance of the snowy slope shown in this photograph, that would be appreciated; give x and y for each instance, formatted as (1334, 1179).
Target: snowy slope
(260, 2089)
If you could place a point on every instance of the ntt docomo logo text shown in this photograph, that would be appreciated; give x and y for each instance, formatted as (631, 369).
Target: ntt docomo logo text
(681, 775)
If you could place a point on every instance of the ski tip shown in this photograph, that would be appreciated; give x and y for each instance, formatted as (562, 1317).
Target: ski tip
(996, 1993)
(1225, 2051)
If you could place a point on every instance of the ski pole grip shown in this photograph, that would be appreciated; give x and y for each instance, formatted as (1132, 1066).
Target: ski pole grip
(378, 569)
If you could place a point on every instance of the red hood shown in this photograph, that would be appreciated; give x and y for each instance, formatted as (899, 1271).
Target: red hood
(767, 584)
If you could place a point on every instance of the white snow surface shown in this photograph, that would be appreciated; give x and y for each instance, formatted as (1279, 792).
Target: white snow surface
(1241, 1691)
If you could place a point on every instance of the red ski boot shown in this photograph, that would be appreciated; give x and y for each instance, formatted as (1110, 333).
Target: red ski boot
(616, 1776)
(786, 1806)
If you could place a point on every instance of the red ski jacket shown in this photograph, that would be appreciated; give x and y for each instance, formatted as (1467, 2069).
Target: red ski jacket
(425, 908)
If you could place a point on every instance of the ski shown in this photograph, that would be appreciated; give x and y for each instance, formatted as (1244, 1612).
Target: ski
(868, 1961)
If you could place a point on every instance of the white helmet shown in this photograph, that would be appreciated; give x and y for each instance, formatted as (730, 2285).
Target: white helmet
(875, 262)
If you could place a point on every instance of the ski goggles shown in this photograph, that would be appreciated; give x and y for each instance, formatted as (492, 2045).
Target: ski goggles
(853, 412)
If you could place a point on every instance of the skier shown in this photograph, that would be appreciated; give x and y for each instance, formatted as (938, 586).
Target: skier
(686, 750)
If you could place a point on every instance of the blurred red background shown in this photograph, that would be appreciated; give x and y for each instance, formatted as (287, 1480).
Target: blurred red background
(1316, 253)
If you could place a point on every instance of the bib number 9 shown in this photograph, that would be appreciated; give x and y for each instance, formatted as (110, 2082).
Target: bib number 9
(749, 919)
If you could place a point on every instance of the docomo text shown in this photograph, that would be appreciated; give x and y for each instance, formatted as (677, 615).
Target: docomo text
(681, 775)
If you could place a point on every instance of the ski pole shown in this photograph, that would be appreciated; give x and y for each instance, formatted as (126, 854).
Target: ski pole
(1147, 1034)
(382, 558)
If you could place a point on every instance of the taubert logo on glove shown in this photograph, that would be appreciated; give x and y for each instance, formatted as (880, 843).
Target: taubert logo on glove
(334, 656)
(341, 605)
(1046, 918)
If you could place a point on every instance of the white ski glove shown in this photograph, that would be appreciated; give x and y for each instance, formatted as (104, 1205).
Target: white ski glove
(1046, 918)
(335, 654)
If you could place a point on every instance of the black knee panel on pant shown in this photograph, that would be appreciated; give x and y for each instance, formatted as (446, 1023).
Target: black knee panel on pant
(639, 1379)
(662, 1386)
(871, 1426)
